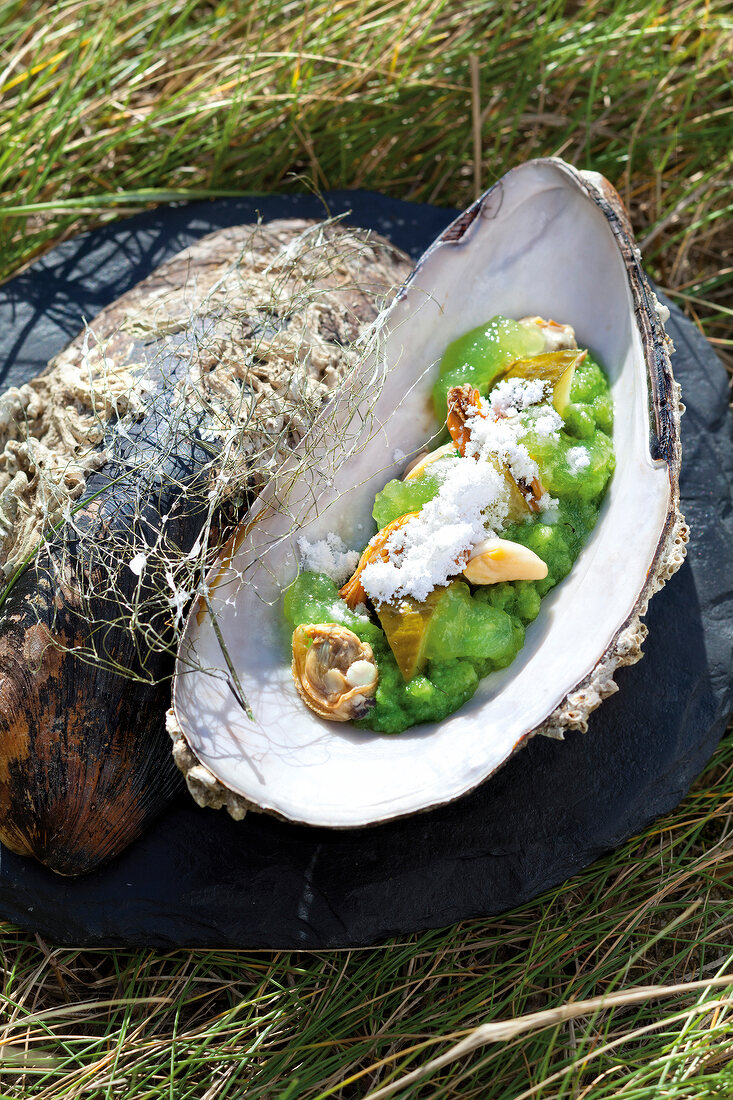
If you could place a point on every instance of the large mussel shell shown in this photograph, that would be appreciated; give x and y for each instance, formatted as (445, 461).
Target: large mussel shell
(85, 762)
(546, 240)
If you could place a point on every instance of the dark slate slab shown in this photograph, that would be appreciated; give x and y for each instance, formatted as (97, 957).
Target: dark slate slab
(199, 879)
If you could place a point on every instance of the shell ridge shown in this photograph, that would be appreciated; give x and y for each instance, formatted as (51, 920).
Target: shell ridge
(646, 310)
(626, 647)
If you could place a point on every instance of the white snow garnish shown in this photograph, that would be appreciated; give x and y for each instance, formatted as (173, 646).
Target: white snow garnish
(549, 423)
(578, 458)
(549, 507)
(500, 439)
(341, 613)
(514, 394)
(432, 546)
(330, 556)
(471, 504)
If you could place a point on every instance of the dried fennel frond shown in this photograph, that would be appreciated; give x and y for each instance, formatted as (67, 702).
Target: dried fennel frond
(127, 463)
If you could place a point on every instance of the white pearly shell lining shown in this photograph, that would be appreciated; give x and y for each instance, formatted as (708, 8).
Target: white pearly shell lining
(545, 240)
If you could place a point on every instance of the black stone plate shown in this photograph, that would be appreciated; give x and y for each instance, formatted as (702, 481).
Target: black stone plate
(199, 879)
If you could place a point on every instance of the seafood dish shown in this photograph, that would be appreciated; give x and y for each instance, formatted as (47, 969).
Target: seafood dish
(547, 241)
(470, 539)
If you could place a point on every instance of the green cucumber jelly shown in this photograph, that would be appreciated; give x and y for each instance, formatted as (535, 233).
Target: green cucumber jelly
(474, 631)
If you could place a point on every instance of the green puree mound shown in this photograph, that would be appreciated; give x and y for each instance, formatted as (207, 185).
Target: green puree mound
(475, 631)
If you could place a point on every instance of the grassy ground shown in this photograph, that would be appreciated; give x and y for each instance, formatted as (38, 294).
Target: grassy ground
(107, 107)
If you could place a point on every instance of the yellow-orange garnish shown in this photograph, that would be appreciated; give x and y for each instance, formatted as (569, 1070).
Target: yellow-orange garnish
(353, 591)
(463, 402)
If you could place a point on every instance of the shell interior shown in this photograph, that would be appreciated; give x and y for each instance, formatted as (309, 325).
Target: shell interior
(538, 242)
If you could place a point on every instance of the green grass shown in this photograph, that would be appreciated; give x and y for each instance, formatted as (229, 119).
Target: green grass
(310, 1025)
(106, 108)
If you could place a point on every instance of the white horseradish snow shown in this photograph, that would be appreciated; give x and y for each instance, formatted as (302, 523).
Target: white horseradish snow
(423, 554)
(578, 458)
(549, 423)
(514, 394)
(472, 503)
(330, 556)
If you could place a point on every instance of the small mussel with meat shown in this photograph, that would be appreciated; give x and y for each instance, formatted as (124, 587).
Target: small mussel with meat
(334, 671)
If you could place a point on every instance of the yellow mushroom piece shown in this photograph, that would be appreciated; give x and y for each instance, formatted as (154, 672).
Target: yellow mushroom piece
(406, 629)
(495, 560)
(334, 671)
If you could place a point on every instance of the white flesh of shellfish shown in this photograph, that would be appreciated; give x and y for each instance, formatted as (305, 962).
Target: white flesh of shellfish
(545, 240)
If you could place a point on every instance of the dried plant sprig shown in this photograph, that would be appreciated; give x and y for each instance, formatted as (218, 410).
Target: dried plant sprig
(193, 404)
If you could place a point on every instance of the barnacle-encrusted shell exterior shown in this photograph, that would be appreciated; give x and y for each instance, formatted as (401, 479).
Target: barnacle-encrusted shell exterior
(247, 331)
(545, 240)
(52, 428)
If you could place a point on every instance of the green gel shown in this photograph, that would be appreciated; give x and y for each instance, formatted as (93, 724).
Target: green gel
(474, 632)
